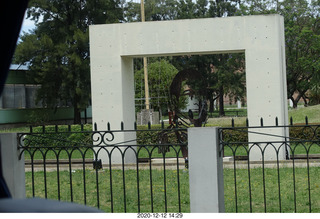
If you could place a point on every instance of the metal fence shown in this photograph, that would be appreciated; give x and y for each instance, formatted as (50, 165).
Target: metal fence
(116, 171)
(271, 183)
(143, 170)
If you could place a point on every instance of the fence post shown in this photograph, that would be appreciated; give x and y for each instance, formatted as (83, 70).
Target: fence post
(205, 171)
(12, 167)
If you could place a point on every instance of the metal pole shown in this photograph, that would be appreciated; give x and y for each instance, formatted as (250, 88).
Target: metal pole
(145, 64)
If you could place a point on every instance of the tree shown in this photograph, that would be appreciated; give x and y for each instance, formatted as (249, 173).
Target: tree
(160, 76)
(155, 10)
(301, 21)
(57, 51)
(222, 79)
(185, 9)
(301, 48)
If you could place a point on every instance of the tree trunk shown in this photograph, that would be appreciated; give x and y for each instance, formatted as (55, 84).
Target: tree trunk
(305, 100)
(76, 115)
(76, 110)
(295, 101)
(211, 106)
(221, 103)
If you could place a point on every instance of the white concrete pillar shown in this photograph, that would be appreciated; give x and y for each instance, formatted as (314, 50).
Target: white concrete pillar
(267, 91)
(205, 171)
(112, 85)
(13, 168)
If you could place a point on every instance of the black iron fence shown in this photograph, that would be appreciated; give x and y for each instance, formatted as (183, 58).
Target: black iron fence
(116, 171)
(278, 173)
(144, 170)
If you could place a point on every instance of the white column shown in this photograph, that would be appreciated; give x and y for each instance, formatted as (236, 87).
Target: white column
(266, 87)
(205, 171)
(12, 167)
(112, 87)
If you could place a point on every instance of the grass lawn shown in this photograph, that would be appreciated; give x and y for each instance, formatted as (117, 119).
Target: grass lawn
(293, 184)
(116, 201)
(295, 149)
(300, 113)
(298, 116)
(264, 195)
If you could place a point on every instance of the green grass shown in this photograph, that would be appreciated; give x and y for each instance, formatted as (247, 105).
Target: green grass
(131, 186)
(226, 121)
(288, 190)
(294, 196)
(296, 149)
(298, 115)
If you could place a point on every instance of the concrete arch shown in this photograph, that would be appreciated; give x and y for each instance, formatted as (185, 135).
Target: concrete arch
(261, 38)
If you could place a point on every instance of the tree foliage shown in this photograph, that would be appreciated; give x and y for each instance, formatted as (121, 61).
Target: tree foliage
(57, 51)
(160, 76)
(301, 20)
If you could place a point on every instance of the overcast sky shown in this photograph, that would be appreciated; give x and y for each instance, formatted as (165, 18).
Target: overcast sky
(27, 24)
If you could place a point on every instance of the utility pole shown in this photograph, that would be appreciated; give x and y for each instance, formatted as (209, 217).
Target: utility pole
(145, 64)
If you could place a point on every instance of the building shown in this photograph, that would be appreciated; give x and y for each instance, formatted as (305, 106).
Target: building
(18, 102)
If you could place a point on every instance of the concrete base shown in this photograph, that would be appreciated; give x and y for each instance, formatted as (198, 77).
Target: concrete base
(146, 116)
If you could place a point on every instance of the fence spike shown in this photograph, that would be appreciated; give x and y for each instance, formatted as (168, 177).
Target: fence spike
(247, 122)
(31, 129)
(277, 122)
(261, 122)
(81, 126)
(291, 120)
(306, 120)
(108, 126)
(162, 124)
(95, 126)
(135, 125)
(122, 126)
(149, 125)
(56, 128)
(232, 122)
(69, 128)
(43, 129)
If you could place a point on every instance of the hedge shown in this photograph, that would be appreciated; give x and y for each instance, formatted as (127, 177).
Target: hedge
(144, 136)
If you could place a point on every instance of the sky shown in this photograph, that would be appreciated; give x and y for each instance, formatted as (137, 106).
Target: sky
(27, 24)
